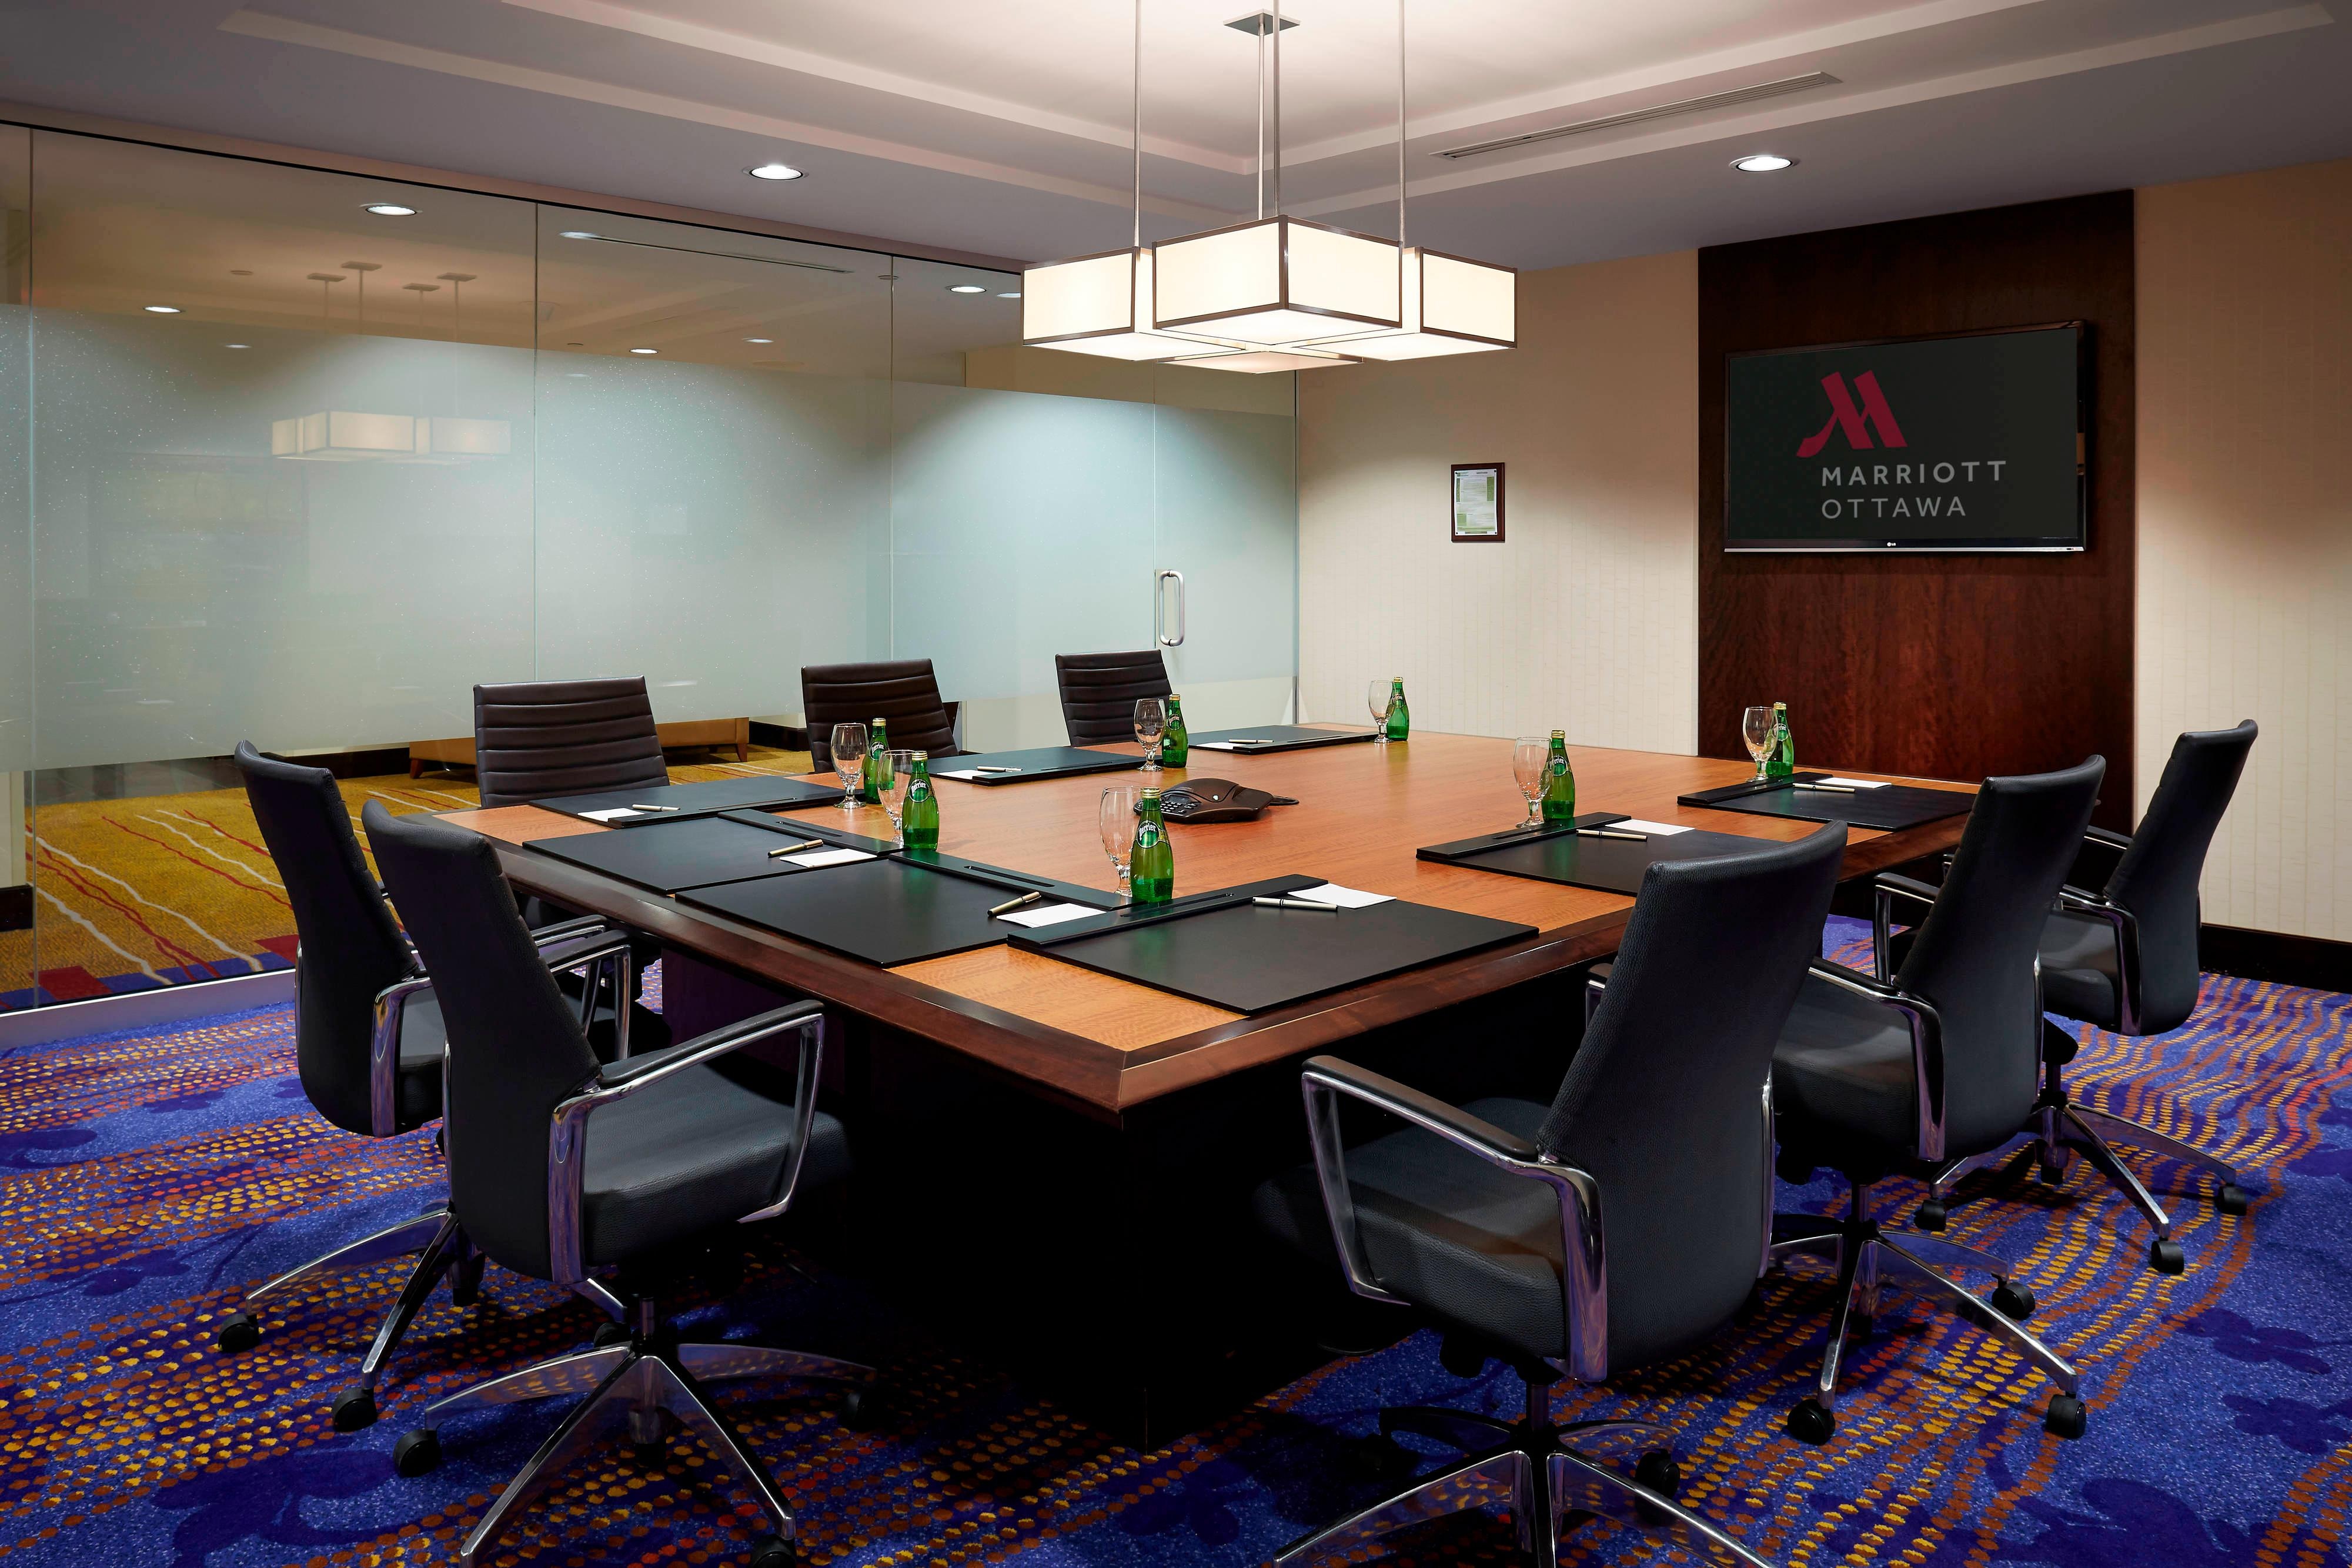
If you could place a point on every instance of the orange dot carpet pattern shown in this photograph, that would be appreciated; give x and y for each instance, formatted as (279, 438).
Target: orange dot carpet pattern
(147, 1179)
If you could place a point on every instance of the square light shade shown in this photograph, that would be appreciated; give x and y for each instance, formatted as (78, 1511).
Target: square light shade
(449, 438)
(1097, 305)
(343, 437)
(1276, 281)
(1265, 361)
(1451, 306)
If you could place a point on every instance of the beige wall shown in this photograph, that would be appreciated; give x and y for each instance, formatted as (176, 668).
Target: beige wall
(2245, 528)
(1585, 616)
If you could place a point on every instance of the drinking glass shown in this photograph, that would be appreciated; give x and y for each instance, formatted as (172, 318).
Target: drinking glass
(849, 760)
(893, 792)
(1118, 803)
(1150, 724)
(1376, 698)
(1531, 765)
(1756, 729)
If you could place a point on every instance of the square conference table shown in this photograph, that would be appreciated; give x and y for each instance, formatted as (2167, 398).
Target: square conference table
(1077, 1150)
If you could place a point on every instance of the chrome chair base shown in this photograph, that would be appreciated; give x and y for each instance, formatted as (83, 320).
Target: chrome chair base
(1541, 1472)
(637, 1388)
(1869, 1260)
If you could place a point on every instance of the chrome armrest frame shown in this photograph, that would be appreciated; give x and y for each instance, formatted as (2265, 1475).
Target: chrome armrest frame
(567, 1137)
(1764, 1258)
(2125, 926)
(384, 1052)
(1885, 888)
(1926, 1026)
(1596, 986)
(593, 947)
(1584, 1278)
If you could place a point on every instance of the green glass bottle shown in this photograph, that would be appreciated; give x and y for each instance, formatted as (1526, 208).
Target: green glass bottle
(1781, 761)
(1174, 741)
(918, 825)
(877, 762)
(1400, 722)
(1560, 782)
(1151, 870)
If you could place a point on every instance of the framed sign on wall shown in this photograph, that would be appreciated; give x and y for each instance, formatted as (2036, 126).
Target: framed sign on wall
(1478, 510)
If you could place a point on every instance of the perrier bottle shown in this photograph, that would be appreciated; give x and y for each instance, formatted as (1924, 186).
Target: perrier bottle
(1560, 782)
(1174, 741)
(1151, 870)
(918, 825)
(877, 763)
(1781, 760)
(1400, 722)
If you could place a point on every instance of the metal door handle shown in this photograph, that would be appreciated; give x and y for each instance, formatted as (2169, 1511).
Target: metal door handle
(1160, 608)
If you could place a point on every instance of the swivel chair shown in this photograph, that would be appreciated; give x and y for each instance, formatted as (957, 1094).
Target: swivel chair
(903, 691)
(1100, 691)
(534, 740)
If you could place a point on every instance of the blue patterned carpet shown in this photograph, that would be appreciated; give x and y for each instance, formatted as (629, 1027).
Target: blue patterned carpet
(146, 1179)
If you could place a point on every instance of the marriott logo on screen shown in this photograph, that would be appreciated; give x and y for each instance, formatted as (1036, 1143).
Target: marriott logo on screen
(1855, 414)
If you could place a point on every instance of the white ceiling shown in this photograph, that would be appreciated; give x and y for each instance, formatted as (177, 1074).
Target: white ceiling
(1001, 127)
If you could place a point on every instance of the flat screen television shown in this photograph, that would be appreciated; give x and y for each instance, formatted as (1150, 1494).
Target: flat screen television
(1970, 442)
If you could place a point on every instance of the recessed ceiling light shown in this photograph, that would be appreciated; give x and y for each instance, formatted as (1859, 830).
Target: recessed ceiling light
(1014, 295)
(575, 233)
(645, 351)
(773, 172)
(1763, 164)
(236, 345)
(163, 309)
(965, 289)
(390, 209)
(759, 339)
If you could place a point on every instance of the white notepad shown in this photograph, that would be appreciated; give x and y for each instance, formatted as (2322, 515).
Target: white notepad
(615, 815)
(1048, 914)
(1636, 825)
(966, 774)
(815, 858)
(1345, 898)
(1853, 783)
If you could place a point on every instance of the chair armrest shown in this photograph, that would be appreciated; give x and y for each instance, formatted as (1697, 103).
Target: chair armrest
(384, 1052)
(1596, 986)
(1584, 1278)
(2126, 925)
(567, 1142)
(565, 930)
(591, 946)
(1885, 888)
(2108, 836)
(1888, 881)
(1925, 1027)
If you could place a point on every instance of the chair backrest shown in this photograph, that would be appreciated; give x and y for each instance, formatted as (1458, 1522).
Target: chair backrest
(2157, 878)
(1100, 691)
(903, 691)
(1974, 954)
(1663, 1103)
(351, 947)
(515, 1047)
(535, 739)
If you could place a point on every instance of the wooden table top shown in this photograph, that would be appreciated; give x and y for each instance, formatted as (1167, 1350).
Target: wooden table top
(1105, 1044)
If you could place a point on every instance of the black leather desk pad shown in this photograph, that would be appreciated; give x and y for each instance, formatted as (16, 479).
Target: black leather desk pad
(1046, 762)
(707, 798)
(885, 912)
(696, 851)
(1896, 807)
(1283, 738)
(1222, 949)
(1562, 855)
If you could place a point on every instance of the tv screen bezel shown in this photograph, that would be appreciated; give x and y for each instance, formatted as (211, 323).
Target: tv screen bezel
(2051, 545)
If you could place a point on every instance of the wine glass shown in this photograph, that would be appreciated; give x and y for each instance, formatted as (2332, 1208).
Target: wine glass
(1118, 803)
(1531, 765)
(1756, 729)
(849, 760)
(894, 792)
(1377, 696)
(1150, 724)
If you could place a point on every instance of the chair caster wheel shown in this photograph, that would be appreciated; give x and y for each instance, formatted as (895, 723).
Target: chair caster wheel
(2231, 1198)
(1809, 1422)
(2165, 1256)
(648, 1456)
(1383, 1456)
(1858, 1326)
(354, 1408)
(774, 1553)
(1657, 1470)
(238, 1332)
(2065, 1417)
(610, 1334)
(2013, 1301)
(1929, 1215)
(1462, 1356)
(417, 1453)
(861, 1406)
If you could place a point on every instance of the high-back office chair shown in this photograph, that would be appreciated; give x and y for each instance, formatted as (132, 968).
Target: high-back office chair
(1878, 1076)
(564, 1169)
(903, 691)
(2124, 958)
(368, 1039)
(1100, 691)
(1621, 1224)
(536, 739)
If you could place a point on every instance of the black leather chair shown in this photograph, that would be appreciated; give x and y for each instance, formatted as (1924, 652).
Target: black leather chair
(1902, 1072)
(1622, 1224)
(537, 739)
(1100, 691)
(902, 691)
(567, 1169)
(2124, 958)
(368, 1038)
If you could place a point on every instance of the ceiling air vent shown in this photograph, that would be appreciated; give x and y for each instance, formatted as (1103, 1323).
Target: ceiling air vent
(1805, 83)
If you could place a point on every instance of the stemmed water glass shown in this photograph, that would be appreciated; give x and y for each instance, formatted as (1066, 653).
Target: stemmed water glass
(1756, 729)
(1531, 765)
(1376, 697)
(849, 760)
(1150, 724)
(894, 792)
(1118, 803)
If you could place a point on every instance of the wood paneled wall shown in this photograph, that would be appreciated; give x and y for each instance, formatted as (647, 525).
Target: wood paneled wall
(1950, 667)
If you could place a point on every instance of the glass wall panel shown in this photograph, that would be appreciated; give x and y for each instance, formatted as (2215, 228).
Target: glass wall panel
(18, 963)
(1226, 518)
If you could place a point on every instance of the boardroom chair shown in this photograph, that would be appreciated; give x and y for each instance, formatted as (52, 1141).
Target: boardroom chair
(589, 1174)
(534, 740)
(2123, 959)
(1100, 691)
(1902, 1071)
(368, 1038)
(903, 691)
(1622, 1224)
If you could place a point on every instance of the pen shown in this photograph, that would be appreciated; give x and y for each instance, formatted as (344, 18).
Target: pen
(1612, 834)
(795, 849)
(1296, 904)
(997, 770)
(1012, 903)
(1827, 789)
(635, 808)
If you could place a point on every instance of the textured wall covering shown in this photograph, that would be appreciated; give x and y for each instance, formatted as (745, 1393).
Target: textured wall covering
(1585, 616)
(2245, 526)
